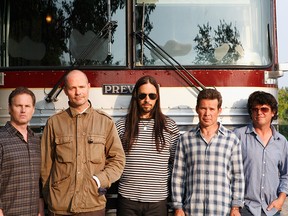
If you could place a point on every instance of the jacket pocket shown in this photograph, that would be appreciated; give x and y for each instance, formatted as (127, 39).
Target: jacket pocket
(96, 148)
(61, 194)
(64, 148)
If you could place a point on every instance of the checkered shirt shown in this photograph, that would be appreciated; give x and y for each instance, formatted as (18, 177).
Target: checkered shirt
(208, 178)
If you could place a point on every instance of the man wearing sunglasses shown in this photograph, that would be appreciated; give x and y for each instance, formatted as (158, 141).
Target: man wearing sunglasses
(149, 139)
(265, 158)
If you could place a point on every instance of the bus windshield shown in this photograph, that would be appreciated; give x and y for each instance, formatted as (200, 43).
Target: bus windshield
(206, 32)
(63, 33)
(48, 33)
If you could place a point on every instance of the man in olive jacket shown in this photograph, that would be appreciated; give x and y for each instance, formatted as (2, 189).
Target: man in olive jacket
(82, 154)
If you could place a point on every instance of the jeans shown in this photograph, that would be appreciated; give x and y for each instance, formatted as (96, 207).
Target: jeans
(245, 212)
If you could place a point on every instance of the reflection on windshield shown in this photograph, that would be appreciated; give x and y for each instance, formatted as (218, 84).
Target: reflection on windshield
(205, 32)
(93, 32)
(63, 33)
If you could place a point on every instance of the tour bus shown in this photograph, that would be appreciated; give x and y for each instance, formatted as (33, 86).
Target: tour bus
(187, 45)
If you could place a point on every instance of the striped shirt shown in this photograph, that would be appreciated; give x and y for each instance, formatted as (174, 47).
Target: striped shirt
(19, 172)
(147, 171)
(208, 178)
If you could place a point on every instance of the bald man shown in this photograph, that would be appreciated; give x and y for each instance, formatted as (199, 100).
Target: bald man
(82, 154)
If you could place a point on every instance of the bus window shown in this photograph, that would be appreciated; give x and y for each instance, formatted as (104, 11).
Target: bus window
(63, 33)
(206, 32)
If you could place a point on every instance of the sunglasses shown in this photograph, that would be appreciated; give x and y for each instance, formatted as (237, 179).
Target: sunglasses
(152, 96)
(262, 109)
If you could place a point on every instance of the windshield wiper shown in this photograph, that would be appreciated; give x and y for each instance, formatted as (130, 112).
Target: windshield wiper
(159, 52)
(58, 87)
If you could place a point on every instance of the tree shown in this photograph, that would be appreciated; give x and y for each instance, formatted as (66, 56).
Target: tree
(209, 40)
(283, 111)
(85, 15)
(144, 25)
(204, 47)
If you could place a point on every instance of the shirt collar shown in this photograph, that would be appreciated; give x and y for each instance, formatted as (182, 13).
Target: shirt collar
(74, 112)
(221, 129)
(250, 129)
(11, 129)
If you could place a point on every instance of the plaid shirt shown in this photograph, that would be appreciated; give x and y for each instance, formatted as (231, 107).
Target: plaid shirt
(208, 179)
(19, 172)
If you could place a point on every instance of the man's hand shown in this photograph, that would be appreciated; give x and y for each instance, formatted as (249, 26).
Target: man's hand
(179, 212)
(278, 203)
(41, 207)
(235, 211)
(1, 212)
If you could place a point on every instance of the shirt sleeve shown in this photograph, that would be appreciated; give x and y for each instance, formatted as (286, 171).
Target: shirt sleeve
(283, 171)
(115, 158)
(178, 176)
(175, 133)
(46, 157)
(237, 181)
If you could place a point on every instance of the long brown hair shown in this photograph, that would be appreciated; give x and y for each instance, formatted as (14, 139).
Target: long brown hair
(134, 113)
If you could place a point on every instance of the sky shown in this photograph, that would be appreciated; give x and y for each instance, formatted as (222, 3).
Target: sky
(282, 34)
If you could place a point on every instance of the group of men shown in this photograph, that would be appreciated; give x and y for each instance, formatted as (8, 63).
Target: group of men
(208, 171)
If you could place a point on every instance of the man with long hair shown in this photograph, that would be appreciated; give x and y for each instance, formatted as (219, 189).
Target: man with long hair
(149, 139)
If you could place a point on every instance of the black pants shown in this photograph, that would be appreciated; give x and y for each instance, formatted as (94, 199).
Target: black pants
(127, 207)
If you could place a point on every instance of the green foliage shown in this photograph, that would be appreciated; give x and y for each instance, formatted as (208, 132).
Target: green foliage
(283, 111)
(283, 105)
